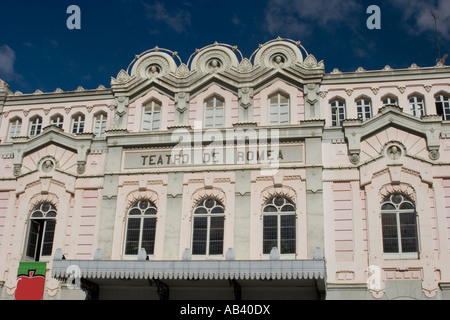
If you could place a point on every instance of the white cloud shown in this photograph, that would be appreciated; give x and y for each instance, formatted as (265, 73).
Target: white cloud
(7, 60)
(235, 20)
(177, 21)
(298, 18)
(417, 17)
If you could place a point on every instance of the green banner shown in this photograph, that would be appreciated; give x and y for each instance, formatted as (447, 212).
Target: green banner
(40, 268)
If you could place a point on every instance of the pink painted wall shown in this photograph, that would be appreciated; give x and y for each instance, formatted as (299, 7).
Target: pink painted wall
(343, 221)
(86, 233)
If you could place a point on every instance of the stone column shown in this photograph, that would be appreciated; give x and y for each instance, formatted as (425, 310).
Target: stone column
(314, 195)
(108, 215)
(172, 229)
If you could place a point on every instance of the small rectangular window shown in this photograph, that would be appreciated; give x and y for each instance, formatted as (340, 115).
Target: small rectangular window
(58, 122)
(78, 125)
(35, 127)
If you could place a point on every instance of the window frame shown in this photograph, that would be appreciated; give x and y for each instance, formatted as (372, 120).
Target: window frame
(445, 105)
(78, 123)
(99, 125)
(278, 106)
(361, 109)
(15, 124)
(35, 126)
(389, 100)
(414, 106)
(398, 213)
(338, 112)
(57, 120)
(142, 217)
(279, 214)
(44, 222)
(218, 112)
(209, 216)
(149, 125)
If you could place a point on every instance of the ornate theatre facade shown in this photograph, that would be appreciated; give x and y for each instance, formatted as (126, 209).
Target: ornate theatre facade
(227, 177)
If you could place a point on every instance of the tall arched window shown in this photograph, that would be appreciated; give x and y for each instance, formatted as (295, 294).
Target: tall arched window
(443, 106)
(279, 225)
(141, 228)
(337, 112)
(15, 125)
(151, 119)
(208, 227)
(100, 124)
(399, 223)
(41, 232)
(279, 109)
(416, 106)
(35, 126)
(214, 113)
(364, 108)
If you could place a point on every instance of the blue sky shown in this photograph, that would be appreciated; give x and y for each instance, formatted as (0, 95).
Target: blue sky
(38, 51)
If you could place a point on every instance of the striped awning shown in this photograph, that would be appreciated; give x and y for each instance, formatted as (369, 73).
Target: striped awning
(190, 270)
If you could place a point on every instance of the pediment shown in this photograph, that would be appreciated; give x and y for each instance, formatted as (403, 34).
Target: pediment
(391, 122)
(52, 137)
(49, 158)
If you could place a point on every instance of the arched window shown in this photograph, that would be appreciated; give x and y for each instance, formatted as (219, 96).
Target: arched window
(214, 113)
(364, 108)
(41, 231)
(15, 125)
(389, 100)
(35, 126)
(208, 227)
(279, 225)
(141, 228)
(58, 121)
(100, 125)
(399, 223)
(78, 124)
(337, 112)
(279, 109)
(151, 119)
(443, 106)
(416, 106)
